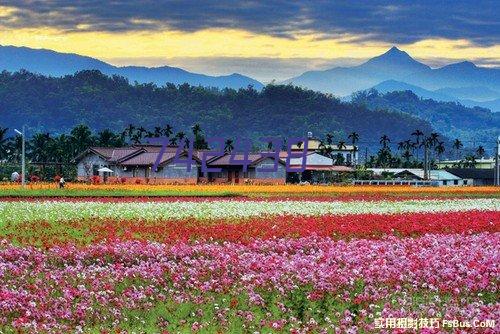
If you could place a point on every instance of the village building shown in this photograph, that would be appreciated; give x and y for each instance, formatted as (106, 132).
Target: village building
(482, 163)
(479, 176)
(348, 152)
(317, 168)
(135, 165)
(413, 176)
(260, 169)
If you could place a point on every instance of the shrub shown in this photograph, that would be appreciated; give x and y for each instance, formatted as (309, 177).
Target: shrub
(95, 179)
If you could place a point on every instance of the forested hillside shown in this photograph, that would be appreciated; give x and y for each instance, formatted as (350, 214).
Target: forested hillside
(57, 104)
(472, 125)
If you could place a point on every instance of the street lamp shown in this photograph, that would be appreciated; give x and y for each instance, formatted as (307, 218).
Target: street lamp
(23, 168)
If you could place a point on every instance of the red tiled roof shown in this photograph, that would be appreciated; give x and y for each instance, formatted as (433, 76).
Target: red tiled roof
(113, 154)
(225, 160)
(147, 159)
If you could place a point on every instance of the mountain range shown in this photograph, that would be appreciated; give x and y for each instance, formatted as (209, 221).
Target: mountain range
(396, 70)
(51, 63)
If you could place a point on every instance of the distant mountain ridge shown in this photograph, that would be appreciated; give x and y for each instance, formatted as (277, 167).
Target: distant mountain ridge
(444, 95)
(52, 63)
(460, 81)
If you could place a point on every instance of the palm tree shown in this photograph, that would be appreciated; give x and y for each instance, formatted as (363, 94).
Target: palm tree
(329, 138)
(181, 136)
(168, 130)
(173, 141)
(480, 151)
(341, 145)
(439, 148)
(433, 138)
(384, 140)
(196, 129)
(354, 137)
(417, 133)
(401, 145)
(457, 145)
(157, 131)
(228, 145)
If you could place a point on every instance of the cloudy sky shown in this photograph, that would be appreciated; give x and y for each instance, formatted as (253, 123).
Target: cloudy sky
(264, 39)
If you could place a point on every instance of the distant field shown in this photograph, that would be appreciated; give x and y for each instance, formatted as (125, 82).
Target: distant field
(112, 190)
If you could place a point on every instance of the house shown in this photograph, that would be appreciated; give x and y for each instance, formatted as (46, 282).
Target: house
(479, 177)
(415, 176)
(259, 169)
(135, 165)
(348, 152)
(317, 168)
(483, 163)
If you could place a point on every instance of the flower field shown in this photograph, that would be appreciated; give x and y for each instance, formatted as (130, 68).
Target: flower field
(290, 190)
(293, 264)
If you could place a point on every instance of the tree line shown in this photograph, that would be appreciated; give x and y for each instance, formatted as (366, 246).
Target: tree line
(46, 150)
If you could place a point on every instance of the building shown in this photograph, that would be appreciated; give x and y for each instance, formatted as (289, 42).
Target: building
(348, 152)
(317, 168)
(479, 177)
(135, 165)
(259, 170)
(415, 176)
(483, 163)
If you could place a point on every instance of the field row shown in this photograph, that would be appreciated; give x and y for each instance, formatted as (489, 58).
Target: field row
(55, 211)
(282, 284)
(105, 190)
(87, 231)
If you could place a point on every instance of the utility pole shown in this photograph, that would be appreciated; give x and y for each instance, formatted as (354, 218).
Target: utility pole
(23, 156)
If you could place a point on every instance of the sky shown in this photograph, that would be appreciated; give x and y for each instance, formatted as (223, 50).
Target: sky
(263, 39)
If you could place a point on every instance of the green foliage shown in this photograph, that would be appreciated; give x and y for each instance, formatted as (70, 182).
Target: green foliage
(56, 105)
(448, 118)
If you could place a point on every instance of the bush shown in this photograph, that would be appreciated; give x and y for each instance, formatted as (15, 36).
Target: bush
(95, 179)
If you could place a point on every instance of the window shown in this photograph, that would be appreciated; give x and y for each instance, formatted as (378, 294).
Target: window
(135, 172)
(455, 182)
(95, 171)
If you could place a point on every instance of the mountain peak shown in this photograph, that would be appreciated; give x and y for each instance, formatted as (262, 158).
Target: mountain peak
(394, 60)
(395, 53)
(394, 50)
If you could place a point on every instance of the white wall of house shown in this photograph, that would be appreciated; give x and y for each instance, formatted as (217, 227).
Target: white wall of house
(93, 161)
